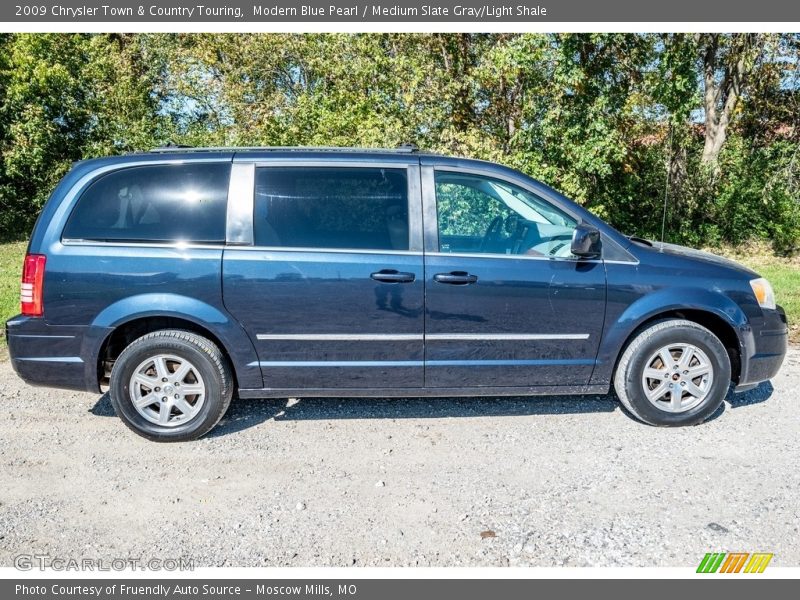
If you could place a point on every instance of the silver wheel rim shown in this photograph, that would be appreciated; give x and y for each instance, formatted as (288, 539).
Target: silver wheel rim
(167, 390)
(677, 377)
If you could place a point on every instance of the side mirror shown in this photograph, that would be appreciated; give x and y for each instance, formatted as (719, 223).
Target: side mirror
(586, 241)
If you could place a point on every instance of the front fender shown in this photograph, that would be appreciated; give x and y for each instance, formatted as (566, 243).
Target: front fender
(230, 333)
(620, 326)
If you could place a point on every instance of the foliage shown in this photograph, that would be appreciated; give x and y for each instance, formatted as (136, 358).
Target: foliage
(782, 272)
(64, 98)
(10, 272)
(619, 122)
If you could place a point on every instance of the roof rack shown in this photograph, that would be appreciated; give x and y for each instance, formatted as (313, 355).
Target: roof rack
(402, 149)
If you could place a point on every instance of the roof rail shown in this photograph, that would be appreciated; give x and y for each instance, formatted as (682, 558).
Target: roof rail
(402, 149)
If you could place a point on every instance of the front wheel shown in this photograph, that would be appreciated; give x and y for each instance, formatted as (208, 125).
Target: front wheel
(675, 372)
(171, 386)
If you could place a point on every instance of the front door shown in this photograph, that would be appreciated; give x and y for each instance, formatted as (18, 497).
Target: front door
(506, 302)
(331, 291)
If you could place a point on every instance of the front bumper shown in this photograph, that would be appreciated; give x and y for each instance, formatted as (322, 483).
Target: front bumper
(764, 349)
(58, 356)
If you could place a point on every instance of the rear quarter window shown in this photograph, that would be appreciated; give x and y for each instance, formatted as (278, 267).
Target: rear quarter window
(158, 203)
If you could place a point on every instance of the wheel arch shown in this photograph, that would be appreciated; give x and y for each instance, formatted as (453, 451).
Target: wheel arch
(711, 321)
(133, 317)
(125, 333)
(714, 311)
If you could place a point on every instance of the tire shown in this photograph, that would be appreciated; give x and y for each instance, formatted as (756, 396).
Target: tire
(644, 369)
(162, 362)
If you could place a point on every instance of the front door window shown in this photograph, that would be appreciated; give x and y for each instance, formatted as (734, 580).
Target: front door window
(479, 214)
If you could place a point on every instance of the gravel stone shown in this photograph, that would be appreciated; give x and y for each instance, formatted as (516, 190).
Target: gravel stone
(559, 481)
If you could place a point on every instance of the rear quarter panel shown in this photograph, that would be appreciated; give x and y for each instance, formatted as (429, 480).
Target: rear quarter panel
(98, 287)
(91, 288)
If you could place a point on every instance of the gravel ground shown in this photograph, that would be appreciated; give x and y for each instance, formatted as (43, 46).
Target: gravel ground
(440, 482)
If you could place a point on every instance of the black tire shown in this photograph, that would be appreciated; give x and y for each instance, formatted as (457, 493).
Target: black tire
(630, 370)
(202, 354)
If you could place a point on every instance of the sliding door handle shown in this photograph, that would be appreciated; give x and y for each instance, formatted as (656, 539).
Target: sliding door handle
(455, 278)
(393, 276)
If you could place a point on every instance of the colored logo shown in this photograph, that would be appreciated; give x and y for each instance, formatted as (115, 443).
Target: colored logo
(734, 562)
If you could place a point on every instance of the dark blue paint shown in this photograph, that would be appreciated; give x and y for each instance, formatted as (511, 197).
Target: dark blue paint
(236, 293)
(296, 293)
(513, 296)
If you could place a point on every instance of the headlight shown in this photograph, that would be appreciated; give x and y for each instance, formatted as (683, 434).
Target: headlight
(763, 291)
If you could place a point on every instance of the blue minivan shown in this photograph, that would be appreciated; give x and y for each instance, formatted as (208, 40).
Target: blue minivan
(180, 277)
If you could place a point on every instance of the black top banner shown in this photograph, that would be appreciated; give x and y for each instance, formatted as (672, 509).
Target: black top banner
(355, 11)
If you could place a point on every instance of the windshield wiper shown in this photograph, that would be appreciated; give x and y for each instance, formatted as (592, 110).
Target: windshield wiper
(640, 240)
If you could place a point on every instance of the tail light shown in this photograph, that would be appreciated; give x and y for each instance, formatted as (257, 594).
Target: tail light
(31, 303)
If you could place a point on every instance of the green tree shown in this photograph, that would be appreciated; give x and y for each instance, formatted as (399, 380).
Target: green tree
(66, 97)
(620, 122)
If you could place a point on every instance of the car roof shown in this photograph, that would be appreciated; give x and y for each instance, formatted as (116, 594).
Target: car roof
(402, 155)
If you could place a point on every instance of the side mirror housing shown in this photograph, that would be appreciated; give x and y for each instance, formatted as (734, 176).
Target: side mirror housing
(586, 241)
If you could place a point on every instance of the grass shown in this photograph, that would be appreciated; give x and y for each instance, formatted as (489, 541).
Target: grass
(783, 273)
(785, 281)
(11, 256)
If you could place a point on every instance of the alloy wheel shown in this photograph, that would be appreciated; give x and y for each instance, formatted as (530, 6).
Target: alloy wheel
(167, 390)
(677, 377)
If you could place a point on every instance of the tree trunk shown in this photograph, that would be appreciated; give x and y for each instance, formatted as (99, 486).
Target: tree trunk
(725, 71)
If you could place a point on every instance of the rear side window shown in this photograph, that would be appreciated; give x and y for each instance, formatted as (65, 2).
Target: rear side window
(329, 207)
(159, 203)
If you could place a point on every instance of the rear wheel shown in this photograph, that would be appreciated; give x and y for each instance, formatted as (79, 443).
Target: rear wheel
(171, 386)
(674, 372)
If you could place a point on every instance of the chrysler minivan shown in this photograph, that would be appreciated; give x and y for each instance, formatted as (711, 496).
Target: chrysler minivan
(181, 277)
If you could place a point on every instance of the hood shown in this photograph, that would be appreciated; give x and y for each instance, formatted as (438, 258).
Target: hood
(701, 255)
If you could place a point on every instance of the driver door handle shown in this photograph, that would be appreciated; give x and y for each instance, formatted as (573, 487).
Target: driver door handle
(456, 278)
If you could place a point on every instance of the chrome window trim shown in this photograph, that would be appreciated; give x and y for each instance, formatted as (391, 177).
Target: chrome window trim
(327, 250)
(144, 244)
(241, 198)
(69, 200)
(221, 245)
(526, 257)
(418, 253)
(516, 256)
